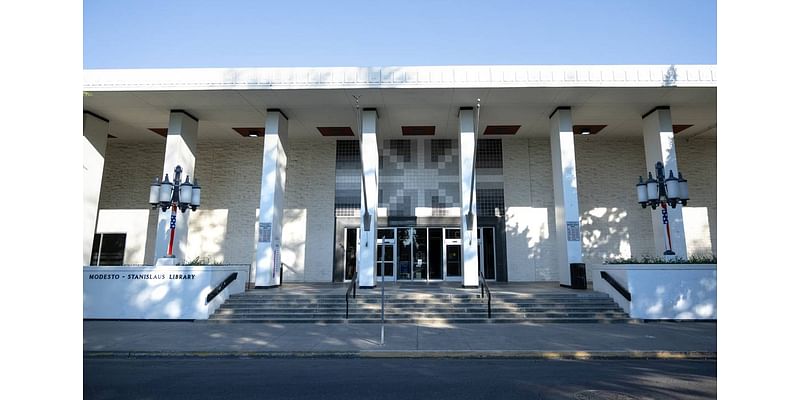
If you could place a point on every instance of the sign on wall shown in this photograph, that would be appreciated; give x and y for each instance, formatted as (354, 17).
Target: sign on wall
(147, 292)
(264, 232)
(573, 231)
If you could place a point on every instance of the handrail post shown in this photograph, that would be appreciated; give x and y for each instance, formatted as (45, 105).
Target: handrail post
(221, 286)
(353, 285)
(490, 305)
(616, 285)
(483, 284)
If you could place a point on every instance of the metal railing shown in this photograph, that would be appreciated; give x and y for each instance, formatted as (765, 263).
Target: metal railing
(222, 285)
(616, 285)
(488, 292)
(351, 288)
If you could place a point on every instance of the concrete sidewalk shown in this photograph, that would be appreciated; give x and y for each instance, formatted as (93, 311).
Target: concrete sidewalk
(695, 340)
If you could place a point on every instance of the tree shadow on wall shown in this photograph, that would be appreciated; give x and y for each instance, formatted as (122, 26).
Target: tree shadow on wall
(530, 232)
(293, 252)
(607, 233)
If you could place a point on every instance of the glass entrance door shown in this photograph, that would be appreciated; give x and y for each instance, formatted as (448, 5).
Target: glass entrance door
(350, 252)
(435, 253)
(419, 248)
(452, 245)
(385, 254)
(413, 255)
(417, 254)
(486, 252)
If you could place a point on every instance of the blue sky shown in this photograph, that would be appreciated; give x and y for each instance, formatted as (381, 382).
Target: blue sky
(242, 33)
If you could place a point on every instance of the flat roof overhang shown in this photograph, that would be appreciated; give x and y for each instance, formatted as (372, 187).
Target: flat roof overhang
(134, 101)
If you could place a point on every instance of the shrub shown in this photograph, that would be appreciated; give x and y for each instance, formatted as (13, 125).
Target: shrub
(647, 259)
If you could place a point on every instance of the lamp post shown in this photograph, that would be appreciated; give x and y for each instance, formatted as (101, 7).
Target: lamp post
(165, 194)
(660, 192)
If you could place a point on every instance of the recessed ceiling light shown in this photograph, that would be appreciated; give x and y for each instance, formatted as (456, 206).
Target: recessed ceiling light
(587, 129)
(250, 132)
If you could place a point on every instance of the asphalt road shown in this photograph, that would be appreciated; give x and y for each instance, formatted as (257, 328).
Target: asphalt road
(439, 379)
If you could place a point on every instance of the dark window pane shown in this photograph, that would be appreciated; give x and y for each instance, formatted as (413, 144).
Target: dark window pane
(452, 234)
(454, 260)
(95, 249)
(112, 249)
(350, 253)
(488, 247)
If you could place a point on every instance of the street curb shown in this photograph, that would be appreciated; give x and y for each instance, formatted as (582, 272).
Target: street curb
(372, 354)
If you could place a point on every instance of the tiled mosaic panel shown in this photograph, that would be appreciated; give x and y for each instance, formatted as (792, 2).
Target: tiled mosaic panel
(489, 181)
(419, 173)
(348, 178)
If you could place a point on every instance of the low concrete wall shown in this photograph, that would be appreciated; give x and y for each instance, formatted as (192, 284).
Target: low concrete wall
(662, 291)
(163, 292)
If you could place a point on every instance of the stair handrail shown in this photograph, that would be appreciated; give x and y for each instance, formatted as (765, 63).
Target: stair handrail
(483, 286)
(221, 286)
(616, 285)
(351, 287)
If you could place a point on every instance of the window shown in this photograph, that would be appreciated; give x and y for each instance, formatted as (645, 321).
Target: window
(108, 249)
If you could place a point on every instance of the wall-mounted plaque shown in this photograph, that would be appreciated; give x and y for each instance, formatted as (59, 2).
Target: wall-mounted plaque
(573, 231)
(264, 232)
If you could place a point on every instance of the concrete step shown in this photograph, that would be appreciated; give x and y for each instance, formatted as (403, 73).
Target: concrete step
(426, 313)
(410, 301)
(271, 306)
(592, 295)
(482, 308)
(424, 320)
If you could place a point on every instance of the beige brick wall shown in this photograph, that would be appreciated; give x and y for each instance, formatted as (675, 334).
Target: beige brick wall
(697, 160)
(129, 170)
(613, 225)
(223, 229)
(527, 198)
(540, 165)
(310, 190)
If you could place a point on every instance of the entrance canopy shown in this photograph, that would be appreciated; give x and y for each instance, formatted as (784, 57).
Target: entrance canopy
(515, 100)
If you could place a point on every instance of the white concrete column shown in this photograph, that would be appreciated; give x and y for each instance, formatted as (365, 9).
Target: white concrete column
(180, 150)
(466, 170)
(95, 137)
(659, 145)
(369, 189)
(565, 187)
(273, 185)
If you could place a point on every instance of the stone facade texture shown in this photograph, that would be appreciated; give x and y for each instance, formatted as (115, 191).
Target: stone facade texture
(613, 225)
(223, 229)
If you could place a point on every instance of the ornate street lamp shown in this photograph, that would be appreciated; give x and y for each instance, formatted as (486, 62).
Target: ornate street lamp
(165, 194)
(662, 191)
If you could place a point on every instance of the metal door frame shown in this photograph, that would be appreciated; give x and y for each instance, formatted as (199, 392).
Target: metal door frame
(452, 242)
(482, 254)
(344, 253)
(393, 243)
